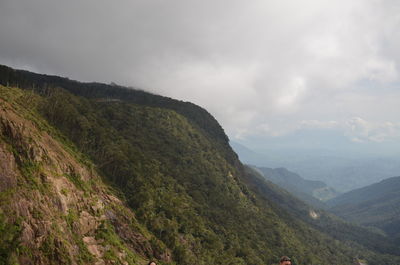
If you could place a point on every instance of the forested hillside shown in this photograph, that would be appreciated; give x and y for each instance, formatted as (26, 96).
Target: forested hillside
(375, 205)
(54, 207)
(170, 162)
(323, 221)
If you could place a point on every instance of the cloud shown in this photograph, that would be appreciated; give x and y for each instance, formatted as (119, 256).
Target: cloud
(360, 130)
(261, 67)
(315, 124)
(355, 129)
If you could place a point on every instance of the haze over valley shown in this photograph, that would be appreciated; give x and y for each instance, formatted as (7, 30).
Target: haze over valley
(344, 172)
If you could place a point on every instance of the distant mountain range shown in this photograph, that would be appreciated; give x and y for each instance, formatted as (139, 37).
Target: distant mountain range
(337, 171)
(310, 191)
(376, 205)
(319, 218)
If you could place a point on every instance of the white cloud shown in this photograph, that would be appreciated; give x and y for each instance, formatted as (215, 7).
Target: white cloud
(315, 124)
(360, 130)
(355, 129)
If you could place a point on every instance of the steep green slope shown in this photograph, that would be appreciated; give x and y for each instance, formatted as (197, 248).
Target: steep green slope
(176, 179)
(182, 180)
(352, 234)
(375, 205)
(54, 208)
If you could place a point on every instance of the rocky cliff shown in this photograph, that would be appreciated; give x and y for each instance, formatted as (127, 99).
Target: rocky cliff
(54, 207)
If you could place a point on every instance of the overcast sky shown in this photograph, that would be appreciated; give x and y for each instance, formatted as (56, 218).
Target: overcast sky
(266, 69)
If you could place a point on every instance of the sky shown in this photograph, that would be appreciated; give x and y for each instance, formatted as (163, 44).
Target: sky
(304, 73)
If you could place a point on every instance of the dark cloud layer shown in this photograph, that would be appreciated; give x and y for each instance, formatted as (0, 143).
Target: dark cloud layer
(263, 68)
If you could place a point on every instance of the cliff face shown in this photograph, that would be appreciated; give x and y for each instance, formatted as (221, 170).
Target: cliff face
(54, 208)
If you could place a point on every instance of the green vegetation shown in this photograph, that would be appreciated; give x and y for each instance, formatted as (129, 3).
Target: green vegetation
(172, 163)
(54, 250)
(9, 243)
(28, 191)
(79, 183)
(106, 234)
(376, 205)
(353, 235)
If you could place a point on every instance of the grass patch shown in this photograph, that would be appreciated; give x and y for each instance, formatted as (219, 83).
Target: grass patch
(77, 180)
(55, 250)
(71, 218)
(106, 233)
(9, 239)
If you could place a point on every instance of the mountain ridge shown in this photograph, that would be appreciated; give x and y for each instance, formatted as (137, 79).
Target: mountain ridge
(374, 205)
(186, 187)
